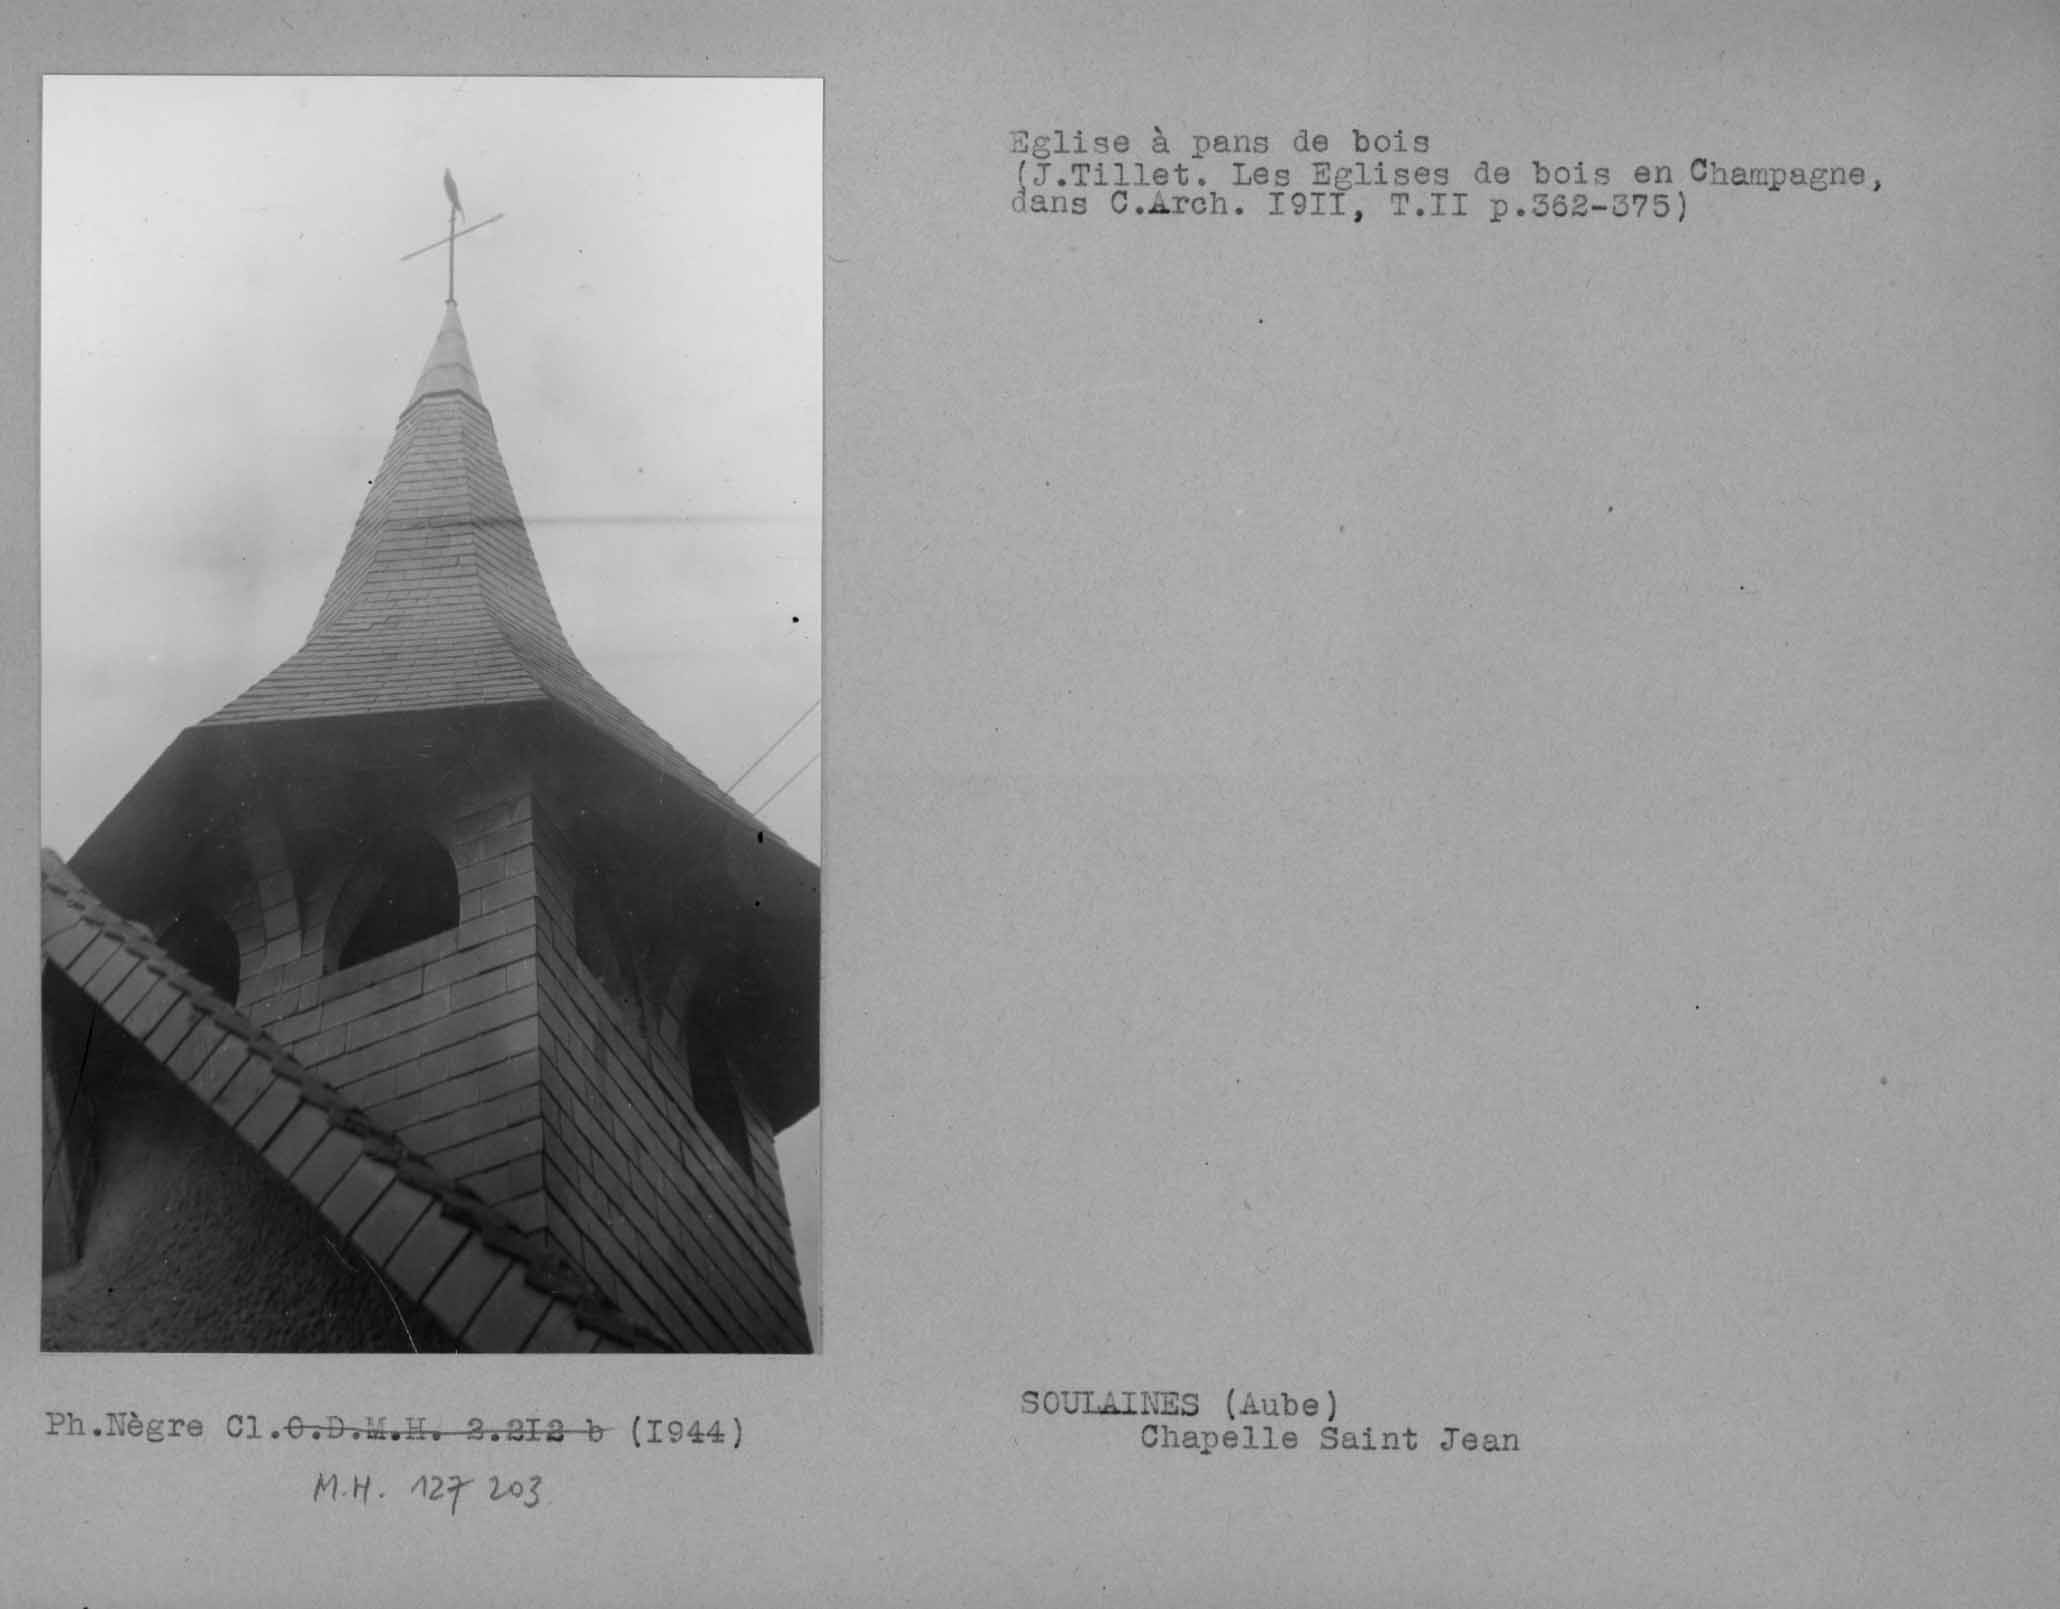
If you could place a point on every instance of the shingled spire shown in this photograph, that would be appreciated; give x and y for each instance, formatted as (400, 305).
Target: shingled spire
(475, 897)
(438, 601)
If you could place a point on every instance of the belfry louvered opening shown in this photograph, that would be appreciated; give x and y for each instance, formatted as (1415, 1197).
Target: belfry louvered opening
(205, 945)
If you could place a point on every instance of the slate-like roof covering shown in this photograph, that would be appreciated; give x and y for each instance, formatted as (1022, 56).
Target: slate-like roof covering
(486, 1283)
(438, 601)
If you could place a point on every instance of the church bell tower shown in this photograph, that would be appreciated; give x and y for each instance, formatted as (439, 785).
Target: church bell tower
(446, 870)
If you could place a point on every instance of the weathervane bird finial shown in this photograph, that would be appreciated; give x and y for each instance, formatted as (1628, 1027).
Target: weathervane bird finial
(450, 238)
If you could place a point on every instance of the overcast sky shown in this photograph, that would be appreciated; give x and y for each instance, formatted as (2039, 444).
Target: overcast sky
(229, 336)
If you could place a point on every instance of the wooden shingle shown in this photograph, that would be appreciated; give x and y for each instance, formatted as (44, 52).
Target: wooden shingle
(438, 602)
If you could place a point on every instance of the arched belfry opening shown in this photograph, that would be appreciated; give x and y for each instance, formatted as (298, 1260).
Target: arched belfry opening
(405, 890)
(206, 946)
(602, 937)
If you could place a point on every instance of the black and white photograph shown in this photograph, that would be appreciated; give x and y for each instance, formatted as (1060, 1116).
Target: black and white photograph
(1034, 806)
(431, 623)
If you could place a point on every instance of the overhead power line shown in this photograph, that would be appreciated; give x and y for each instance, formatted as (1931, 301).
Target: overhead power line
(775, 743)
(784, 786)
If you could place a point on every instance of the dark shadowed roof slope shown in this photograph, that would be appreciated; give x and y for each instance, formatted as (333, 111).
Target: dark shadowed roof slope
(438, 602)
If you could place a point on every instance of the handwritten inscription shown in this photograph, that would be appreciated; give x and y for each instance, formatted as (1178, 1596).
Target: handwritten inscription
(441, 1491)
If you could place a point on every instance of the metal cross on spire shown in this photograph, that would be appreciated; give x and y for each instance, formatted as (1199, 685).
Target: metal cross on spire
(450, 239)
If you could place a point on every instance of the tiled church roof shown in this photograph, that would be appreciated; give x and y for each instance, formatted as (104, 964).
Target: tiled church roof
(491, 1287)
(438, 601)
